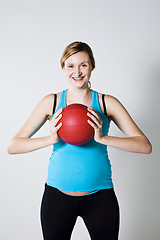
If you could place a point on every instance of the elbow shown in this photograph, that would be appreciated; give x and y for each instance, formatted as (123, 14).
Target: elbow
(148, 148)
(11, 148)
(10, 152)
(145, 146)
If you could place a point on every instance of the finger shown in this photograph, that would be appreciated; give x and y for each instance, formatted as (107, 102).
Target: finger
(90, 109)
(58, 112)
(58, 118)
(98, 122)
(58, 126)
(92, 124)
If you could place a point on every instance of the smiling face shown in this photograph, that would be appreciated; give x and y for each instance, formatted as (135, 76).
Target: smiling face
(78, 69)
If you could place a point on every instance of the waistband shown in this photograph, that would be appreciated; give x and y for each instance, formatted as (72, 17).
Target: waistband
(95, 192)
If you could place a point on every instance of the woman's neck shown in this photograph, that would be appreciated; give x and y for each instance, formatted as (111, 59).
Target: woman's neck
(75, 95)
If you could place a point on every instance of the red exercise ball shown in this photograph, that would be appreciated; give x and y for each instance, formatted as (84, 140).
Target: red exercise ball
(75, 129)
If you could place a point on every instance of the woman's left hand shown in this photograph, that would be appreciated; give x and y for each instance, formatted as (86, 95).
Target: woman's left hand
(96, 123)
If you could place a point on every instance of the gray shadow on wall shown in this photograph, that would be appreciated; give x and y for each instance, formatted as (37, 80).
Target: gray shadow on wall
(149, 228)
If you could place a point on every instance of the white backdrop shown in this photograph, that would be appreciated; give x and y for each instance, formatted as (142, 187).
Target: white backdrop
(124, 36)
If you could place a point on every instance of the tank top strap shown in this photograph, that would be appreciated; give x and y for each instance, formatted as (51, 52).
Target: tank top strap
(62, 102)
(95, 101)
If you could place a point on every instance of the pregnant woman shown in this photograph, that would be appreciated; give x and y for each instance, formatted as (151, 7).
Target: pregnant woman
(79, 181)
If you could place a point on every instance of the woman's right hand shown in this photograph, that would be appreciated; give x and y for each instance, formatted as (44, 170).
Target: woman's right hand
(54, 127)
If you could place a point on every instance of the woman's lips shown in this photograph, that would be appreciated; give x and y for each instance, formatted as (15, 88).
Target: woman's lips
(78, 79)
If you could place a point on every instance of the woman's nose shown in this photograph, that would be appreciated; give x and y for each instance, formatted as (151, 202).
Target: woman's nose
(78, 71)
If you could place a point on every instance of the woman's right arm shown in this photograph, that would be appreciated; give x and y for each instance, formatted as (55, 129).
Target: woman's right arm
(22, 141)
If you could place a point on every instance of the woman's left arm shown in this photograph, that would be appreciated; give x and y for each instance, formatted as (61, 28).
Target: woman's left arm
(135, 140)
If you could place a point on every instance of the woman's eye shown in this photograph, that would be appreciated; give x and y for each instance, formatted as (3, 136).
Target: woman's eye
(70, 66)
(84, 65)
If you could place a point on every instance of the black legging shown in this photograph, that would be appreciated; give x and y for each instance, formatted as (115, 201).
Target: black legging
(99, 210)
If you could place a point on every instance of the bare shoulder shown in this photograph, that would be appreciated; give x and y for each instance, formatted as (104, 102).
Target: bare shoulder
(44, 106)
(111, 99)
(110, 102)
(37, 118)
(113, 105)
(108, 98)
(121, 117)
(47, 103)
(48, 98)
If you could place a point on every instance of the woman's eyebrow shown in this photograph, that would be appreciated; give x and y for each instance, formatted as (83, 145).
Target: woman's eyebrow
(80, 63)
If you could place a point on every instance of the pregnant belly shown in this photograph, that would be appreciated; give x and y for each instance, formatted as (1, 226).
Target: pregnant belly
(79, 176)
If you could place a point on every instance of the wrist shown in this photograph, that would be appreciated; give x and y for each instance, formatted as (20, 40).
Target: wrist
(103, 140)
(100, 139)
(51, 139)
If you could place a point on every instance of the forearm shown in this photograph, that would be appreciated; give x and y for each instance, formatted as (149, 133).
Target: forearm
(23, 145)
(136, 144)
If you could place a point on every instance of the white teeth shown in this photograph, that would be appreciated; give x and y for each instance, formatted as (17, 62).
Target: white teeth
(78, 78)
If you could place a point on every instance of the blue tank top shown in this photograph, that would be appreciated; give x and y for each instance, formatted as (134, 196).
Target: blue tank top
(80, 168)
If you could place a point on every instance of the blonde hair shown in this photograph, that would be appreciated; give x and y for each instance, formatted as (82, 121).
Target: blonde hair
(75, 47)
